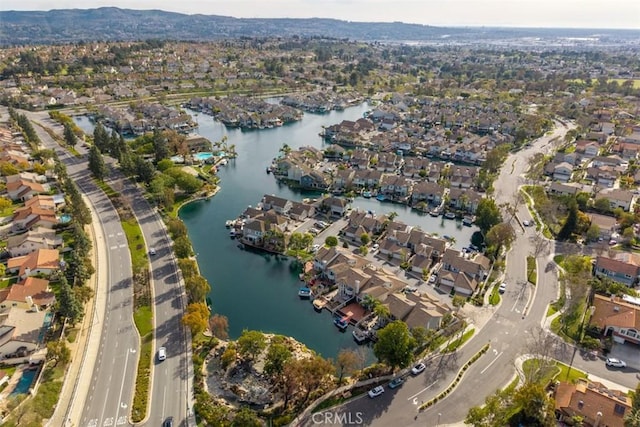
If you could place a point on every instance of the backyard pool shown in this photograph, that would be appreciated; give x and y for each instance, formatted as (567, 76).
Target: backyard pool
(65, 218)
(202, 156)
(28, 375)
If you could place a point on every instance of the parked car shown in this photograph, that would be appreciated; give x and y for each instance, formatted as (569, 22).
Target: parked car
(168, 422)
(375, 392)
(396, 382)
(152, 251)
(315, 248)
(420, 367)
(433, 278)
(615, 363)
(526, 223)
(502, 288)
(314, 231)
(375, 247)
(162, 354)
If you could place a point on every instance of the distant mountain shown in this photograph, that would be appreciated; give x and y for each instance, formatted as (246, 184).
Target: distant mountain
(111, 23)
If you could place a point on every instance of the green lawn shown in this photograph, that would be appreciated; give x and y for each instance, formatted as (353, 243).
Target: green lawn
(458, 342)
(8, 282)
(139, 409)
(137, 247)
(143, 319)
(551, 310)
(532, 275)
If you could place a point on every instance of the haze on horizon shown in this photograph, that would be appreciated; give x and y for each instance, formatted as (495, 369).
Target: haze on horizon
(492, 13)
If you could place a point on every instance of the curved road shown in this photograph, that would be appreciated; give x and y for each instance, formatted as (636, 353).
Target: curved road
(508, 332)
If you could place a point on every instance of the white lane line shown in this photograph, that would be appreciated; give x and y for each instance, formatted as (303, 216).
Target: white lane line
(492, 362)
(423, 390)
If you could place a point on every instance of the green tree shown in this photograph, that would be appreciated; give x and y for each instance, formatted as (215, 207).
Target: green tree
(160, 145)
(535, 405)
(176, 227)
(395, 345)
(182, 247)
(100, 137)
(500, 235)
(96, 163)
(68, 306)
(593, 233)
(365, 239)
(487, 215)
(602, 205)
(277, 356)
(331, 241)
(315, 371)
(58, 352)
(144, 170)
(69, 135)
(246, 417)
(197, 288)
(251, 344)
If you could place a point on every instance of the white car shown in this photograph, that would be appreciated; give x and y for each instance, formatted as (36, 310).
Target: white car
(162, 354)
(526, 223)
(375, 392)
(615, 363)
(152, 251)
(502, 288)
(433, 278)
(420, 367)
(315, 248)
(375, 247)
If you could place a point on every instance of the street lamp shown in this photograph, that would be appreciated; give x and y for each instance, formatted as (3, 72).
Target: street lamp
(439, 415)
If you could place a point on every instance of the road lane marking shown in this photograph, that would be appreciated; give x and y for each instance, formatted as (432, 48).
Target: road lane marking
(122, 420)
(108, 422)
(492, 362)
(423, 390)
(113, 247)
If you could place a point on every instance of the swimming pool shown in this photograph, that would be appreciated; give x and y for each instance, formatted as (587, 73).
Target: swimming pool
(25, 382)
(203, 156)
(65, 218)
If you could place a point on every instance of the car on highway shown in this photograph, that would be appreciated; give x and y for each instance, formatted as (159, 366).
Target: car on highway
(396, 382)
(152, 251)
(420, 367)
(375, 392)
(502, 288)
(615, 363)
(168, 422)
(162, 354)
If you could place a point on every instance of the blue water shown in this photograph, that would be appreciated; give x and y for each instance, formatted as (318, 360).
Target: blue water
(65, 218)
(25, 382)
(203, 156)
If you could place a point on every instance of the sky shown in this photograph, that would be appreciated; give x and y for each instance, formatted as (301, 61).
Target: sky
(502, 13)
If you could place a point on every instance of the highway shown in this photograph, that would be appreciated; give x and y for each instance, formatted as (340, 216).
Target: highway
(509, 330)
(108, 396)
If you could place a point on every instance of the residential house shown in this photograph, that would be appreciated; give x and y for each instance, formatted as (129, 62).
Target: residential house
(197, 143)
(360, 222)
(335, 206)
(301, 211)
(314, 180)
(562, 172)
(427, 313)
(623, 268)
(22, 190)
(466, 200)
(460, 273)
(41, 261)
(278, 204)
(588, 149)
(603, 176)
(592, 402)
(395, 186)
(20, 331)
(27, 294)
(623, 199)
(560, 189)
(607, 225)
(343, 179)
(366, 178)
(617, 318)
(32, 240)
(429, 192)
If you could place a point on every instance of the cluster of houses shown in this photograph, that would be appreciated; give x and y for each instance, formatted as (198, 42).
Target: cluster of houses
(142, 117)
(245, 112)
(321, 101)
(416, 181)
(356, 277)
(31, 255)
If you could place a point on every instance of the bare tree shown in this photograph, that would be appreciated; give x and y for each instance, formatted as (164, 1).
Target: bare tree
(540, 345)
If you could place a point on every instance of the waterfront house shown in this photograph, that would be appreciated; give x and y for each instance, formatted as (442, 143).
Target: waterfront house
(301, 211)
(313, 180)
(617, 318)
(623, 268)
(343, 179)
(395, 186)
(278, 204)
(437, 244)
(335, 206)
(20, 331)
(198, 143)
(460, 273)
(429, 192)
(366, 178)
(466, 200)
(32, 240)
(592, 402)
(360, 222)
(30, 293)
(617, 198)
(323, 257)
(360, 159)
(40, 261)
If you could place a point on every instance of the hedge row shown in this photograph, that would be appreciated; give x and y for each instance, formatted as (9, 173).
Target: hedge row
(455, 382)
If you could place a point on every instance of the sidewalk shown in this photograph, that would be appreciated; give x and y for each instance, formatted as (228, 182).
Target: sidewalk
(84, 349)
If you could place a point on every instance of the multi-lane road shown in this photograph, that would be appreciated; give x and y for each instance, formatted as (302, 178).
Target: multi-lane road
(509, 331)
(107, 397)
